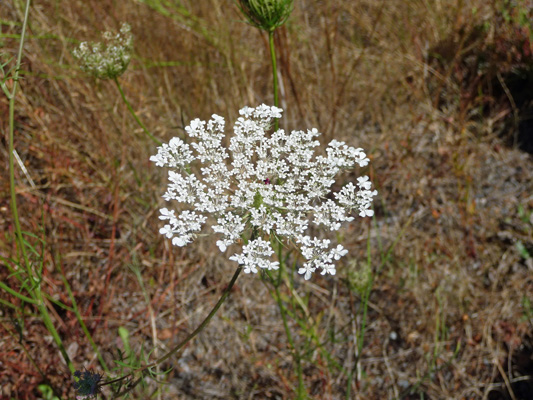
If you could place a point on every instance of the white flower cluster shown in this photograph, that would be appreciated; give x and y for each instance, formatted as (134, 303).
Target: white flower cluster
(266, 184)
(109, 60)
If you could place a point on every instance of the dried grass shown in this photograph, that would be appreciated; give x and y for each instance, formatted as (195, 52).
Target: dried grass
(359, 72)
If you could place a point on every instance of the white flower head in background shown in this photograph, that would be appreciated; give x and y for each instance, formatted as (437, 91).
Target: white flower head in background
(110, 59)
(271, 185)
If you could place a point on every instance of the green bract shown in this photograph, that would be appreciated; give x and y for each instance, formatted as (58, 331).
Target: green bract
(266, 14)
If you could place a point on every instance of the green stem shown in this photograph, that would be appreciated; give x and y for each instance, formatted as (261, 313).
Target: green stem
(184, 341)
(301, 394)
(274, 72)
(203, 324)
(132, 112)
(51, 328)
(17, 294)
(366, 296)
(295, 353)
(190, 336)
(11, 148)
(36, 294)
(361, 335)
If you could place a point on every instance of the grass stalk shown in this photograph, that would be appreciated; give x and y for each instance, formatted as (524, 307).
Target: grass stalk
(135, 269)
(35, 290)
(17, 294)
(84, 328)
(365, 298)
(294, 349)
(11, 97)
(51, 328)
(284, 312)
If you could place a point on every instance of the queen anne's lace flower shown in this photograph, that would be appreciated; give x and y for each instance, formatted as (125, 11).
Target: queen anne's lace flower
(110, 59)
(271, 185)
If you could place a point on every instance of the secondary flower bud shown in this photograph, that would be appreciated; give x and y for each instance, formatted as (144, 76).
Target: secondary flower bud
(266, 14)
(107, 60)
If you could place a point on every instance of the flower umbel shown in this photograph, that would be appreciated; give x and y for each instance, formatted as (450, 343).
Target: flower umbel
(107, 60)
(272, 185)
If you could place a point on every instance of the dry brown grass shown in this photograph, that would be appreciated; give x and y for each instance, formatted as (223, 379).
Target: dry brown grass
(448, 209)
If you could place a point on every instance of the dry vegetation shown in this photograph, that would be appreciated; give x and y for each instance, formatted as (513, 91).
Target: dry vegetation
(424, 86)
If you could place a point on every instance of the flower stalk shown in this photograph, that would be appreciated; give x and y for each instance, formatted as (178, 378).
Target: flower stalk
(301, 393)
(269, 184)
(268, 15)
(274, 73)
(134, 115)
(109, 60)
(143, 370)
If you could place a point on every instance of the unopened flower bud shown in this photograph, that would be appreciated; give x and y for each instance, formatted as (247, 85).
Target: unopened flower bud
(266, 14)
